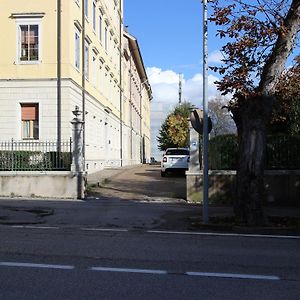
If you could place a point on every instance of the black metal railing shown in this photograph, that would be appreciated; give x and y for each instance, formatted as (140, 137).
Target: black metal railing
(33, 155)
(282, 153)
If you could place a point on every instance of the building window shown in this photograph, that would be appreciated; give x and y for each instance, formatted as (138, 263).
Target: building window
(30, 120)
(86, 60)
(95, 69)
(94, 16)
(105, 37)
(100, 27)
(86, 8)
(77, 49)
(29, 42)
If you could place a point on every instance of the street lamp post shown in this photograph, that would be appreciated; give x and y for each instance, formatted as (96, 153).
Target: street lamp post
(205, 116)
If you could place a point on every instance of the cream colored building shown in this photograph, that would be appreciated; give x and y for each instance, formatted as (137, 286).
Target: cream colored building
(41, 78)
(136, 109)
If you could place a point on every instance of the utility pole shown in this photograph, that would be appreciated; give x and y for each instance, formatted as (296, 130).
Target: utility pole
(83, 83)
(180, 87)
(121, 79)
(205, 116)
(58, 71)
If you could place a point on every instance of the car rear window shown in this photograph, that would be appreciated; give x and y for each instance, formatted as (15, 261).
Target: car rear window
(177, 152)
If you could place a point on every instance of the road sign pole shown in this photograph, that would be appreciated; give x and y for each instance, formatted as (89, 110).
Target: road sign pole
(205, 116)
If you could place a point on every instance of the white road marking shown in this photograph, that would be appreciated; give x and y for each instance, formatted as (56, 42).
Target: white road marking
(225, 234)
(295, 237)
(31, 265)
(105, 229)
(35, 227)
(125, 270)
(229, 275)
(140, 271)
(203, 274)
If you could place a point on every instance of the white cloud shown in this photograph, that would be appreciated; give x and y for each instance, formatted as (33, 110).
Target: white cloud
(157, 76)
(165, 88)
(215, 57)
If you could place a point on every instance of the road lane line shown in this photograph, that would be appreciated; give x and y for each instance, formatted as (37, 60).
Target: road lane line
(126, 270)
(236, 276)
(35, 227)
(104, 229)
(31, 265)
(225, 234)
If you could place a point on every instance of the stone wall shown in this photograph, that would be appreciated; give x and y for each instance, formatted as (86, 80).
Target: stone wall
(38, 184)
(282, 187)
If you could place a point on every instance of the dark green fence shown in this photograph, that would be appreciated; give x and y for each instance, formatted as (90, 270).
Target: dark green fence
(35, 155)
(282, 153)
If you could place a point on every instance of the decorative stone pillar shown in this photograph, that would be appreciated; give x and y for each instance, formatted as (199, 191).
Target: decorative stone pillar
(194, 174)
(77, 159)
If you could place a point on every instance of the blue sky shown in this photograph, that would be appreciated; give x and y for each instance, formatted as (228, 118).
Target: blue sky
(169, 34)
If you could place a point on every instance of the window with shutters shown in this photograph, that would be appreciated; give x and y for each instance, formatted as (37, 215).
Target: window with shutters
(30, 120)
(29, 42)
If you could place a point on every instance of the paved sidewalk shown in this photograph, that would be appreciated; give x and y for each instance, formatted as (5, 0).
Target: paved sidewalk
(120, 202)
(100, 176)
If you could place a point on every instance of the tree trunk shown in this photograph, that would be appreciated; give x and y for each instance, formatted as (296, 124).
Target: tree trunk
(251, 120)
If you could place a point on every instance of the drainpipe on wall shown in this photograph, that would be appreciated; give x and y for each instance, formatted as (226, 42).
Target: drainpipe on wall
(141, 133)
(130, 107)
(120, 83)
(58, 70)
(83, 83)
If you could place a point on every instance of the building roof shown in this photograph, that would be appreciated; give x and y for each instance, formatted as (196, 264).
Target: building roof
(137, 56)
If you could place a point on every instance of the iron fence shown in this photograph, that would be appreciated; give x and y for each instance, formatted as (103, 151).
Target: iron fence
(282, 152)
(33, 155)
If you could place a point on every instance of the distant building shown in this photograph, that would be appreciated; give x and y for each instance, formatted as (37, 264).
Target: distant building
(41, 78)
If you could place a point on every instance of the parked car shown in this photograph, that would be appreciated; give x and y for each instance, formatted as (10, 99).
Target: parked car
(175, 159)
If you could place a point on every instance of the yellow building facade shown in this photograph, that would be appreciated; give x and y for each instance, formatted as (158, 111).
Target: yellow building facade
(67, 53)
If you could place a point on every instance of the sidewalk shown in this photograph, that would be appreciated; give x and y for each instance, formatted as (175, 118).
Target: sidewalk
(100, 176)
(116, 202)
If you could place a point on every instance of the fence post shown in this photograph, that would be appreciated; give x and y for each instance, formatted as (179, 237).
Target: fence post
(77, 159)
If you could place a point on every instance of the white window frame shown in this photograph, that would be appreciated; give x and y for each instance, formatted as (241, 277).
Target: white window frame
(86, 60)
(95, 70)
(106, 38)
(24, 22)
(77, 50)
(100, 28)
(86, 8)
(21, 123)
(94, 17)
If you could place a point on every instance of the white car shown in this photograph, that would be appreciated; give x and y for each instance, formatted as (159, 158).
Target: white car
(175, 159)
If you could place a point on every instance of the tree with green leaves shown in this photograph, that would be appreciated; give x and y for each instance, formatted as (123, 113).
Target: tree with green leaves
(174, 132)
(260, 36)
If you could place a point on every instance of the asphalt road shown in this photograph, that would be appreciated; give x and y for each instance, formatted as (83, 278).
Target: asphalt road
(88, 263)
(131, 241)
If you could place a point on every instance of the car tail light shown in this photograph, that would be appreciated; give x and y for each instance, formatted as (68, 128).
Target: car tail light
(165, 159)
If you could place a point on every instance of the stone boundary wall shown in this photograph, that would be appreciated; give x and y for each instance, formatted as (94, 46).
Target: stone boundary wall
(282, 187)
(52, 184)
